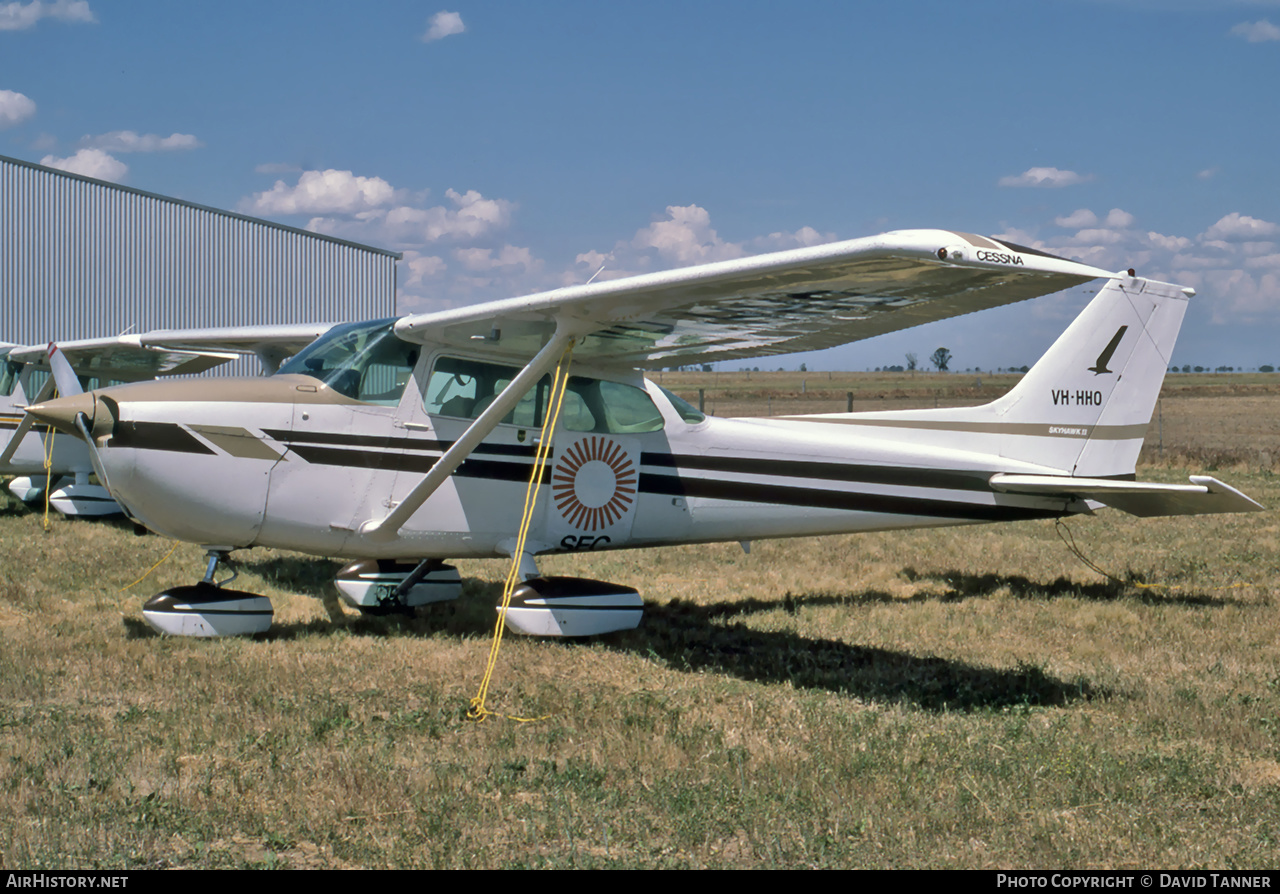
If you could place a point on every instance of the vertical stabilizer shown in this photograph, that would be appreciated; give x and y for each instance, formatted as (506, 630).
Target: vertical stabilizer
(1093, 392)
(1082, 410)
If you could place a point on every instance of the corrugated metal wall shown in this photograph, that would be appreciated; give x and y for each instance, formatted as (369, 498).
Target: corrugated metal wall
(80, 258)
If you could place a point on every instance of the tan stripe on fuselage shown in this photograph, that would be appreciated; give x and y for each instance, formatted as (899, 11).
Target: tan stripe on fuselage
(1032, 429)
(238, 442)
(287, 389)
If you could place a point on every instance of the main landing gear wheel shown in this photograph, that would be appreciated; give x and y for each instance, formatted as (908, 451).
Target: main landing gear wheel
(385, 587)
(207, 608)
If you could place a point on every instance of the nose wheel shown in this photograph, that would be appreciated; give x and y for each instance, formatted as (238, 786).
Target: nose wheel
(215, 556)
(208, 608)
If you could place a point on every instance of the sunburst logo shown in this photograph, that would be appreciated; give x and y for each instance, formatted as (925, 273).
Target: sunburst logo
(593, 483)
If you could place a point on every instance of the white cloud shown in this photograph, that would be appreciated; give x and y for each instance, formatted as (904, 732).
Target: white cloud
(1208, 173)
(480, 260)
(682, 236)
(322, 192)
(442, 25)
(471, 217)
(1257, 32)
(1236, 227)
(1270, 262)
(1045, 177)
(421, 268)
(1082, 217)
(1234, 263)
(90, 163)
(1254, 249)
(14, 108)
(801, 238)
(685, 237)
(594, 259)
(1169, 243)
(372, 211)
(130, 141)
(1238, 296)
(1118, 218)
(20, 16)
(1098, 236)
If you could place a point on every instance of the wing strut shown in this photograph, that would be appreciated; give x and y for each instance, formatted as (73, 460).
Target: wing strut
(504, 403)
(27, 421)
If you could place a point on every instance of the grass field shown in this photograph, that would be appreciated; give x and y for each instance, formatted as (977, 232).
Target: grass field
(969, 697)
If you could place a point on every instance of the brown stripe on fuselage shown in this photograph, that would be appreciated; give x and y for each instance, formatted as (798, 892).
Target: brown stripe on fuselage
(156, 436)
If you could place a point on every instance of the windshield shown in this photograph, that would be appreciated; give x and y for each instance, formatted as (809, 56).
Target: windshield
(363, 361)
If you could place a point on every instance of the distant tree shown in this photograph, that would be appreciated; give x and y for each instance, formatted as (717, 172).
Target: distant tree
(912, 362)
(940, 358)
(804, 368)
(1266, 368)
(1186, 367)
(706, 367)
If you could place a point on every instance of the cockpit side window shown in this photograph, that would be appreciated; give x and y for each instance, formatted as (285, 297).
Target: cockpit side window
(465, 388)
(8, 376)
(32, 379)
(363, 361)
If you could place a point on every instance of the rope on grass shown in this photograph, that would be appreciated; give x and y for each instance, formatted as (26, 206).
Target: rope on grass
(559, 384)
(147, 573)
(48, 475)
(1064, 534)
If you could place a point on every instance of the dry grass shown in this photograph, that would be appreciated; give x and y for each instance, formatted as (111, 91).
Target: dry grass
(970, 697)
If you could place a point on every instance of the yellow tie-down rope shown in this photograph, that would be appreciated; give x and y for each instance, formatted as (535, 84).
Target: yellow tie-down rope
(48, 475)
(478, 711)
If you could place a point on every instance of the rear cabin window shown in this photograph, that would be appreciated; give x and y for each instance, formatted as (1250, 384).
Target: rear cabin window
(465, 388)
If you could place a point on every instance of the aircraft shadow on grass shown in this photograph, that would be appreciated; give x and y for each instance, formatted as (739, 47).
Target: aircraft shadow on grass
(702, 638)
(963, 585)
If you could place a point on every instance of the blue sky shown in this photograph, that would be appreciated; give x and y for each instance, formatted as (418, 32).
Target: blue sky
(507, 148)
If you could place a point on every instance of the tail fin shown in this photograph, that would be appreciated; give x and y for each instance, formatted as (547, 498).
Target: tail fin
(1083, 409)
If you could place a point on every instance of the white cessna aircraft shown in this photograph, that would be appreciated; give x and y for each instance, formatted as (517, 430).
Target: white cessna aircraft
(403, 442)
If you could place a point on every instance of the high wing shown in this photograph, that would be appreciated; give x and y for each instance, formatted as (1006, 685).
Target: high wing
(174, 352)
(800, 300)
(271, 343)
(122, 358)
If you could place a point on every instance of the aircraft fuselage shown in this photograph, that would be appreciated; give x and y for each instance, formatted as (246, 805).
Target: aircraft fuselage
(289, 462)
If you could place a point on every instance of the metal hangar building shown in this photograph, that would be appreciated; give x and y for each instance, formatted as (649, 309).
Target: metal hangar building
(83, 258)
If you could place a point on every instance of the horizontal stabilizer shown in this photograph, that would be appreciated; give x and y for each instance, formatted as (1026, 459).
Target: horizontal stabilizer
(1203, 496)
